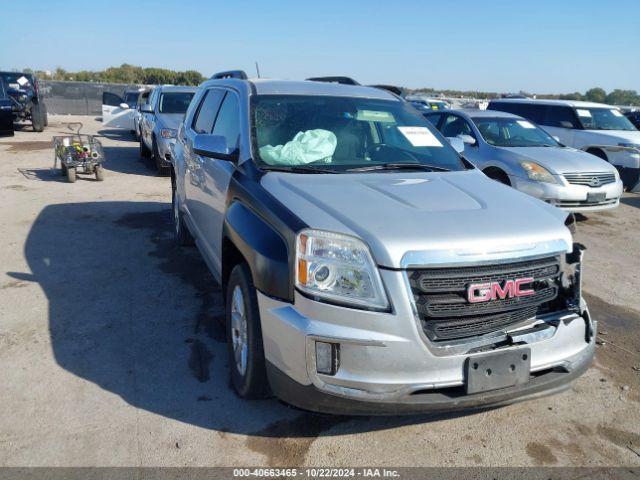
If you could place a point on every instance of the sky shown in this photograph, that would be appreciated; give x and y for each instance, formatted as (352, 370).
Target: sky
(552, 46)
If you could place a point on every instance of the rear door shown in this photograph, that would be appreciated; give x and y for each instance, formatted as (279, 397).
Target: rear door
(113, 114)
(217, 174)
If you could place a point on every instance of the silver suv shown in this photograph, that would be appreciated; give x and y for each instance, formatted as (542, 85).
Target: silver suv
(159, 120)
(367, 267)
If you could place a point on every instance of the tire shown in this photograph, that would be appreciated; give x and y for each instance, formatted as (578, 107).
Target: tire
(498, 176)
(244, 336)
(163, 171)
(144, 151)
(598, 153)
(99, 173)
(181, 233)
(38, 117)
(63, 169)
(71, 175)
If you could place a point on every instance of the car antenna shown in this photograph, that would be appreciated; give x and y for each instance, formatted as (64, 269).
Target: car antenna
(257, 69)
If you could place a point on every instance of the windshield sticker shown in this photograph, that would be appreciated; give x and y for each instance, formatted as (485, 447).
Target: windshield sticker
(616, 112)
(583, 113)
(420, 136)
(525, 124)
(375, 116)
(22, 81)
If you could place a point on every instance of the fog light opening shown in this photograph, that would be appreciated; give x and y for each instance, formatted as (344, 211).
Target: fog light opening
(327, 358)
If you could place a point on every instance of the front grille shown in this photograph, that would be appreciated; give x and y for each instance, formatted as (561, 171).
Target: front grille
(440, 296)
(590, 179)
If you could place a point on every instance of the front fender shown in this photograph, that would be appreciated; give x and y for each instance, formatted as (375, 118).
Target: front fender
(264, 249)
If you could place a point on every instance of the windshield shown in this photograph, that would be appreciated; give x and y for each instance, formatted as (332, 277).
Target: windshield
(16, 80)
(175, 102)
(513, 132)
(603, 119)
(341, 133)
(131, 98)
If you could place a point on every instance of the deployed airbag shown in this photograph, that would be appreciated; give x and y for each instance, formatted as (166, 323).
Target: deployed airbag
(306, 147)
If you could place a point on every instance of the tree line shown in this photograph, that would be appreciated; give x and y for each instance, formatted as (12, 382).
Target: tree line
(125, 73)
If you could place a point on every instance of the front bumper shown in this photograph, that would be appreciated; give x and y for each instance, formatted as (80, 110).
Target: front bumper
(572, 198)
(388, 366)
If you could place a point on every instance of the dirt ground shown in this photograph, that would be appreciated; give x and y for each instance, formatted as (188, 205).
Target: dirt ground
(110, 354)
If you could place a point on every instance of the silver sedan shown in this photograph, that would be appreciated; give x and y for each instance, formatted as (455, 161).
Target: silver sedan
(516, 152)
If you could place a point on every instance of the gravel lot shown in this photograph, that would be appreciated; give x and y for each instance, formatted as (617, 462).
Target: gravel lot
(110, 354)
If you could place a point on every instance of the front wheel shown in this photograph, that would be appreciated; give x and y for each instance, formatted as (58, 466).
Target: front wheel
(71, 174)
(244, 336)
(38, 117)
(99, 173)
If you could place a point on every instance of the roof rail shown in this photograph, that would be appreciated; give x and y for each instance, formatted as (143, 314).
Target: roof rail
(230, 74)
(340, 80)
(390, 88)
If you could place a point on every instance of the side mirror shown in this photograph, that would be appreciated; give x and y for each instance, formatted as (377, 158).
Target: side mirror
(566, 124)
(124, 106)
(213, 146)
(456, 143)
(467, 139)
(557, 139)
(146, 108)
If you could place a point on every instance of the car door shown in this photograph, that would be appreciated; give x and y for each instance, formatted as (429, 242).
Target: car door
(217, 173)
(113, 113)
(561, 121)
(147, 119)
(194, 178)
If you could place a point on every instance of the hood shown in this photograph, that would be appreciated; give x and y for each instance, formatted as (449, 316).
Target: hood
(613, 137)
(170, 120)
(457, 215)
(560, 160)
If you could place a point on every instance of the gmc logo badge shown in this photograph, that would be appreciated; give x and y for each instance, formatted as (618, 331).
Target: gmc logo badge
(485, 292)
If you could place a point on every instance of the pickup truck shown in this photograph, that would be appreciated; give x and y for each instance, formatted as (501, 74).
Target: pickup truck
(367, 266)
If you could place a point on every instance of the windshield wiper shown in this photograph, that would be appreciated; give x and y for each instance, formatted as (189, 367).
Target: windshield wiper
(297, 169)
(399, 166)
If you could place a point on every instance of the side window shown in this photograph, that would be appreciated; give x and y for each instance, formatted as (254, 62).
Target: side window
(530, 111)
(206, 114)
(453, 125)
(562, 117)
(152, 98)
(111, 99)
(228, 121)
(434, 118)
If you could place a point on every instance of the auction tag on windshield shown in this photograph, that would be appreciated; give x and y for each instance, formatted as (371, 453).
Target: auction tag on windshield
(420, 136)
(583, 113)
(22, 81)
(616, 112)
(525, 124)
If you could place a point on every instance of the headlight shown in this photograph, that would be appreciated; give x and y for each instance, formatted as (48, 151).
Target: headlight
(537, 172)
(339, 268)
(168, 133)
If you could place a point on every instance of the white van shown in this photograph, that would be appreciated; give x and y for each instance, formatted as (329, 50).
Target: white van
(599, 129)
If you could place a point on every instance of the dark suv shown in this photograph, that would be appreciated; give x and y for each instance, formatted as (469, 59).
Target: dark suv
(27, 104)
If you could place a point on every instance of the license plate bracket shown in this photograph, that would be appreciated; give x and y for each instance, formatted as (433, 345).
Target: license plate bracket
(495, 370)
(596, 197)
